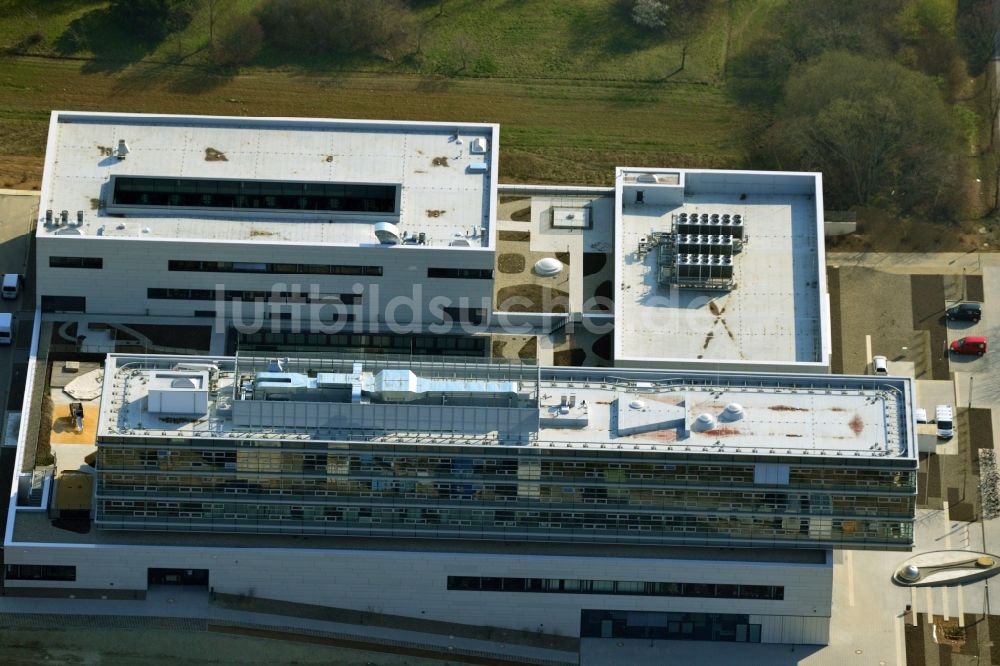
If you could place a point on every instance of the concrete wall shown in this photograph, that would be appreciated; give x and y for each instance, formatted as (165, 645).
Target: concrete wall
(415, 584)
(724, 365)
(133, 265)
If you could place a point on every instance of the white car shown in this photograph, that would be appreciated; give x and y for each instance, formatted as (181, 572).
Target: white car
(880, 365)
(945, 421)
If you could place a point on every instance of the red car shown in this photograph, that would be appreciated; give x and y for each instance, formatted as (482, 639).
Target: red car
(970, 344)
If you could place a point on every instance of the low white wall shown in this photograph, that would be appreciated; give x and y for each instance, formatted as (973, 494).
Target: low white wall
(415, 584)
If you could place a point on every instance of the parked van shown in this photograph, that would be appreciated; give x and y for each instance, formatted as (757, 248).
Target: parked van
(11, 285)
(965, 312)
(6, 328)
(880, 365)
(945, 421)
(970, 344)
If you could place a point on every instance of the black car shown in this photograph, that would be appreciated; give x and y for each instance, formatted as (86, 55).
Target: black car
(965, 311)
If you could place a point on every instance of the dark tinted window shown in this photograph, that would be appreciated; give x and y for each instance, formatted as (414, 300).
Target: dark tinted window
(252, 194)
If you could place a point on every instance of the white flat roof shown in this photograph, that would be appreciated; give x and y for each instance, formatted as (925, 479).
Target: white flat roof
(444, 194)
(777, 312)
(652, 410)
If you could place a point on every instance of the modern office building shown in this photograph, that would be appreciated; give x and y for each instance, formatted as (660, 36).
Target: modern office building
(690, 493)
(455, 492)
(318, 222)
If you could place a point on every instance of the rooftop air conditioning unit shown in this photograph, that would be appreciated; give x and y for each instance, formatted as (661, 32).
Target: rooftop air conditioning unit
(479, 146)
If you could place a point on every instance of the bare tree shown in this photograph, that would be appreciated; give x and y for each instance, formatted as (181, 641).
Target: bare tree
(465, 49)
(212, 6)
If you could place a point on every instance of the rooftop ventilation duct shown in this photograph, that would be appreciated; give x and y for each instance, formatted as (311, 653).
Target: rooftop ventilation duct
(733, 412)
(387, 233)
(703, 422)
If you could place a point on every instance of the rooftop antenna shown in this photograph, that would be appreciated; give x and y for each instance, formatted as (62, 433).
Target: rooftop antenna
(122, 149)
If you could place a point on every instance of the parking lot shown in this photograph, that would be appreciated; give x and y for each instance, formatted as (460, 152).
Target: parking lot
(17, 217)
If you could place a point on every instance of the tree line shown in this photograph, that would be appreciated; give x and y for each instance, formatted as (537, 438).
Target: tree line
(381, 28)
(864, 91)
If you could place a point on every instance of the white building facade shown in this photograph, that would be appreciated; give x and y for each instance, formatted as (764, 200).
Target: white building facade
(580, 501)
(316, 221)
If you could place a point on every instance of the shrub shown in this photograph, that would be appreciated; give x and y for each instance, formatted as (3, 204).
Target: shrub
(379, 27)
(239, 42)
(152, 19)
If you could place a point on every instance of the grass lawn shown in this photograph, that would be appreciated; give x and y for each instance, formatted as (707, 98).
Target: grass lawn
(583, 39)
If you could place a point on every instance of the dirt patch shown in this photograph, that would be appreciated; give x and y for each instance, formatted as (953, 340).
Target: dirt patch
(532, 298)
(563, 257)
(787, 408)
(974, 288)
(882, 231)
(213, 155)
(510, 263)
(575, 356)
(517, 236)
(439, 161)
(867, 302)
(20, 172)
(833, 288)
(927, 299)
(949, 633)
(521, 214)
(496, 348)
(529, 350)
(593, 262)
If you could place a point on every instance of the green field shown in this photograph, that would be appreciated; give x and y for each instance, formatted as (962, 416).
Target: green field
(576, 90)
(583, 39)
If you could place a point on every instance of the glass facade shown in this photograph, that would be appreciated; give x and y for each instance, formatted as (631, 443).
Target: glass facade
(492, 492)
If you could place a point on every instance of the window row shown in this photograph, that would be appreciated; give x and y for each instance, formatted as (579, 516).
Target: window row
(76, 262)
(239, 295)
(265, 267)
(484, 522)
(40, 572)
(629, 587)
(461, 273)
(412, 344)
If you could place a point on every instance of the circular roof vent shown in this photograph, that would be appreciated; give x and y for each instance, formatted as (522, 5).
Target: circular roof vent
(387, 233)
(637, 404)
(548, 266)
(910, 572)
(183, 383)
(704, 422)
(733, 411)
